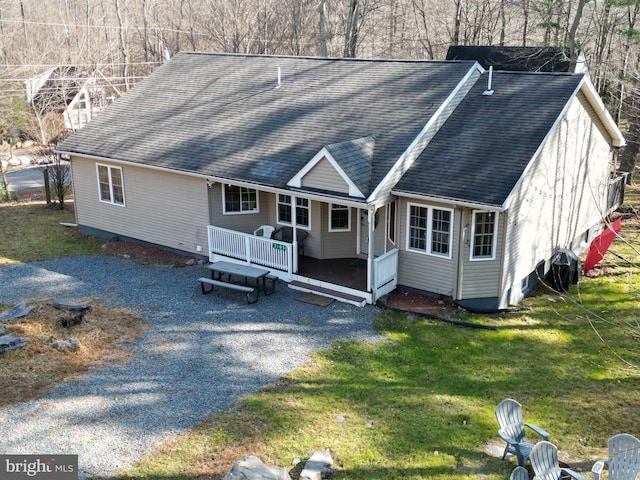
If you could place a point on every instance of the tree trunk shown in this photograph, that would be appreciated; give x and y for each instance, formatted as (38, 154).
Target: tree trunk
(503, 23)
(601, 45)
(421, 19)
(525, 26)
(457, 21)
(351, 30)
(47, 186)
(123, 46)
(323, 28)
(629, 154)
(573, 53)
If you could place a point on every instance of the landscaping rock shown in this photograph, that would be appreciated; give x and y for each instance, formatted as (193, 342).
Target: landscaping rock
(20, 310)
(252, 468)
(9, 342)
(70, 345)
(319, 466)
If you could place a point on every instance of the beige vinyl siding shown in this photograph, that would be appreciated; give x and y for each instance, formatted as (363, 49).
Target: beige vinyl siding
(561, 197)
(481, 278)
(313, 243)
(323, 176)
(383, 195)
(379, 233)
(162, 208)
(421, 271)
(338, 244)
(241, 222)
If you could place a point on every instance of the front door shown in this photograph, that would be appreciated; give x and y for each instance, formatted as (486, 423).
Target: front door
(378, 233)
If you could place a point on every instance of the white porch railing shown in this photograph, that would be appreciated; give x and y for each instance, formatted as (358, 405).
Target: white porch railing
(385, 270)
(253, 250)
(250, 249)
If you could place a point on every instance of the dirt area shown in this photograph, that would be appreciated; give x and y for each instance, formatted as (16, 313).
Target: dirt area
(103, 334)
(146, 254)
(420, 303)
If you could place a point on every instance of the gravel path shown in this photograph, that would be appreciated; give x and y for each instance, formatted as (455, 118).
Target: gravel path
(200, 355)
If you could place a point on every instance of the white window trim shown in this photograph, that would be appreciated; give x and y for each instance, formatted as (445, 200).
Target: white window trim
(494, 243)
(298, 225)
(246, 212)
(349, 214)
(430, 210)
(109, 169)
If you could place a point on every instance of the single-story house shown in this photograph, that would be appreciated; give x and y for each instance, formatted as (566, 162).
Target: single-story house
(435, 176)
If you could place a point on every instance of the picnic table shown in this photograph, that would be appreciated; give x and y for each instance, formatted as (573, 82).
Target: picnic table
(256, 275)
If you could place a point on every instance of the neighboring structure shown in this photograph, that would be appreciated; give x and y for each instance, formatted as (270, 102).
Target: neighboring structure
(416, 170)
(76, 94)
(520, 59)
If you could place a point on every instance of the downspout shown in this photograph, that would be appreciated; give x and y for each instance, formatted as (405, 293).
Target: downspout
(506, 234)
(462, 235)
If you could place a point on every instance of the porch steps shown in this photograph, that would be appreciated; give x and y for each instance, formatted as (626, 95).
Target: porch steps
(327, 292)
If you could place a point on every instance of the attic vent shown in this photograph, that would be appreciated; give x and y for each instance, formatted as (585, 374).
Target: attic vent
(488, 91)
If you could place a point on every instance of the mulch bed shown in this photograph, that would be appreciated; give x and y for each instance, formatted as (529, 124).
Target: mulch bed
(419, 303)
(146, 254)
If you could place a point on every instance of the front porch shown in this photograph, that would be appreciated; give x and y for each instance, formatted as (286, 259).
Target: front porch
(353, 280)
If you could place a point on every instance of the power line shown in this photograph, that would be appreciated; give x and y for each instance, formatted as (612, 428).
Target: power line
(88, 25)
(73, 79)
(61, 65)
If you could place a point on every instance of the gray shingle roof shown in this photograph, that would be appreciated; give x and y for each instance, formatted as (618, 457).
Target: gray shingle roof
(221, 115)
(484, 147)
(354, 157)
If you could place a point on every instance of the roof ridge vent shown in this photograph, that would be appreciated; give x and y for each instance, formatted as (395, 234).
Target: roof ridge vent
(488, 91)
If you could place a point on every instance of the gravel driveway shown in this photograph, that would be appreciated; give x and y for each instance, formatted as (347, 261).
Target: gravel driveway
(201, 354)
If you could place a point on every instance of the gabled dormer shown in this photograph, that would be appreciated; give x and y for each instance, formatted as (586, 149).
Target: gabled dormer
(343, 167)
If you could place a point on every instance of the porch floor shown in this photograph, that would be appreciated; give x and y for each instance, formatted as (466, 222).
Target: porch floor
(348, 272)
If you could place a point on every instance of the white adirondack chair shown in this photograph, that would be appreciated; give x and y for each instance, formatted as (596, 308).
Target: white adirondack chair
(509, 416)
(519, 473)
(624, 459)
(544, 460)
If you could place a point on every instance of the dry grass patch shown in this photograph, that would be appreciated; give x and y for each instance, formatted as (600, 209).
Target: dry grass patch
(104, 334)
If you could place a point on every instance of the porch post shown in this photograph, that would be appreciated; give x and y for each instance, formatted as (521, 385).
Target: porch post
(294, 234)
(371, 217)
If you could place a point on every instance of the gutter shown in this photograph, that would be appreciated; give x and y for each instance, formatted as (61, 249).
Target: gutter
(448, 201)
(211, 178)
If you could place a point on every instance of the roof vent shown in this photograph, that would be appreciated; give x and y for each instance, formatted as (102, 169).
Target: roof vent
(279, 78)
(488, 91)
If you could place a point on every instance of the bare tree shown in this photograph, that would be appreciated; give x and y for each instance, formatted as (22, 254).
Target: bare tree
(57, 174)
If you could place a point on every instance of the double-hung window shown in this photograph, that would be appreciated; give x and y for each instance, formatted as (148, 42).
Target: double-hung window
(239, 199)
(339, 218)
(483, 239)
(110, 185)
(430, 230)
(285, 211)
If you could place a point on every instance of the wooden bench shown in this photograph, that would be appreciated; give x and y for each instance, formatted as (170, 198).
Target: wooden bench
(233, 286)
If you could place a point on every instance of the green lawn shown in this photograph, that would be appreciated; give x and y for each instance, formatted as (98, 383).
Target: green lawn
(32, 231)
(422, 404)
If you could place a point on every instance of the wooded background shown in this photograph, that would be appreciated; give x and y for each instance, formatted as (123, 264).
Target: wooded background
(126, 39)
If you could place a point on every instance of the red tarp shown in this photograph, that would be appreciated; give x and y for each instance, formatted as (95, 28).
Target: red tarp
(600, 244)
